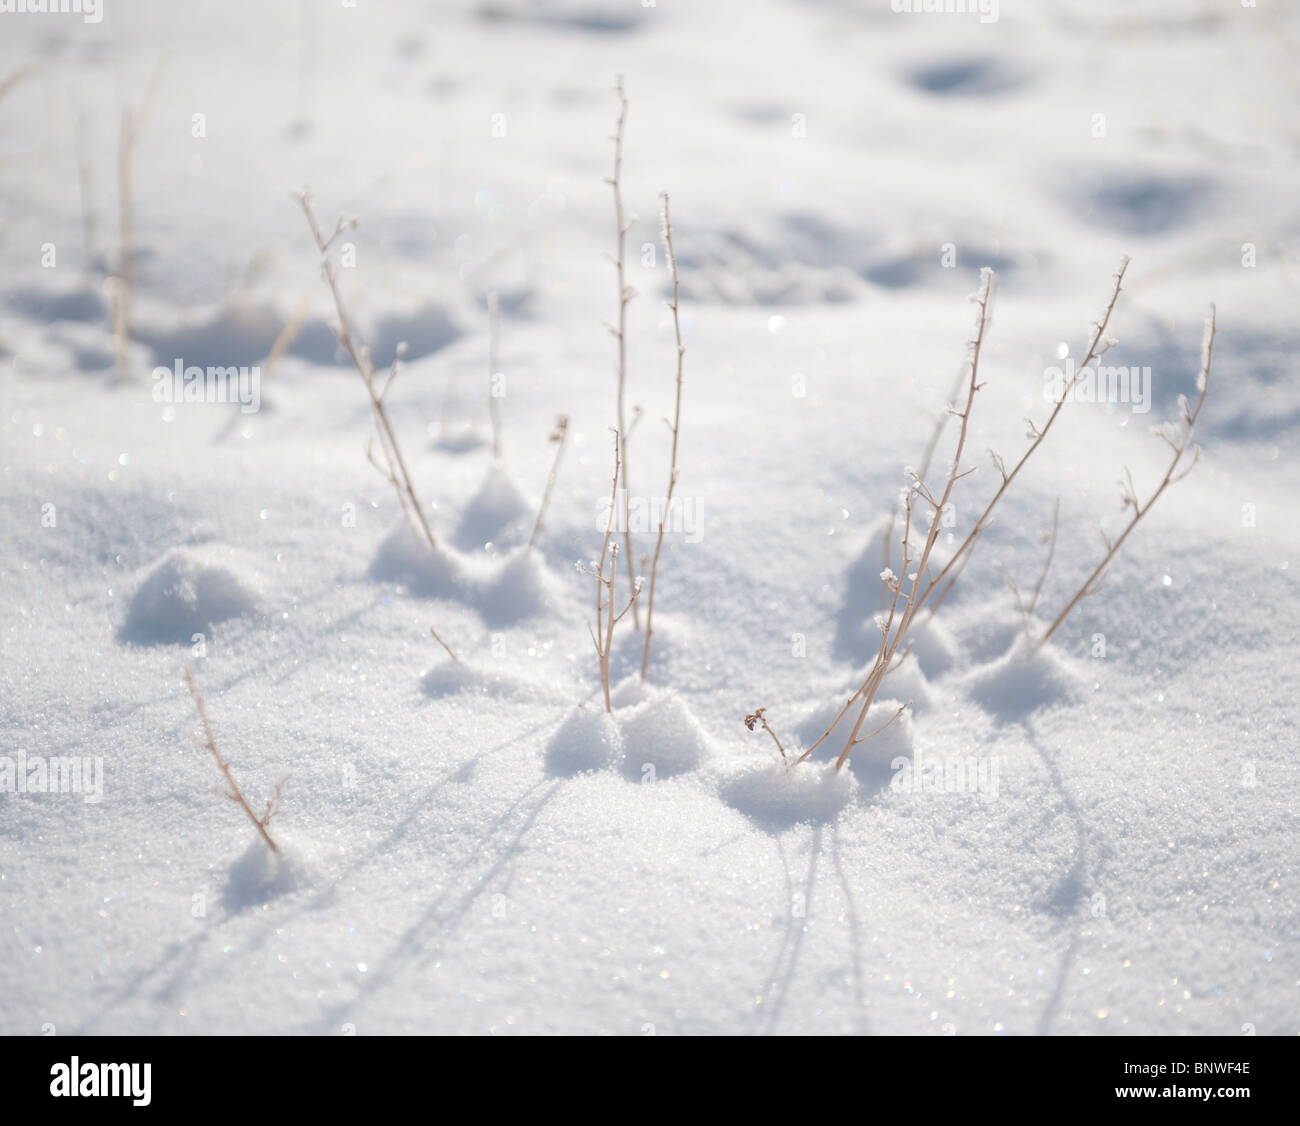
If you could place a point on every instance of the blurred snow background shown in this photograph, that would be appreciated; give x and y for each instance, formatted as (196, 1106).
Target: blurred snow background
(465, 851)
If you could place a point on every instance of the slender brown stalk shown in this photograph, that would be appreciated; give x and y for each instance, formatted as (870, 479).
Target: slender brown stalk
(394, 469)
(559, 436)
(759, 716)
(895, 624)
(605, 574)
(625, 295)
(931, 445)
(234, 793)
(1178, 445)
(450, 652)
(1098, 344)
(676, 428)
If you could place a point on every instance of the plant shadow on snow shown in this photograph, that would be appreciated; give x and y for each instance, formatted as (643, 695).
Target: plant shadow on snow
(378, 853)
(1071, 893)
(423, 937)
(260, 876)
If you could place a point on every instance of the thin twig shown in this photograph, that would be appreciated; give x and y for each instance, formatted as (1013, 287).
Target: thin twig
(1172, 475)
(1097, 345)
(234, 793)
(396, 472)
(758, 715)
(603, 635)
(559, 436)
(676, 428)
(625, 295)
(450, 652)
(895, 624)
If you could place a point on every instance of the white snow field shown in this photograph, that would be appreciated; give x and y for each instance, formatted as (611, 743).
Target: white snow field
(479, 847)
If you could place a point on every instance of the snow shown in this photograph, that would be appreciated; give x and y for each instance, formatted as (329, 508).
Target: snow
(1095, 836)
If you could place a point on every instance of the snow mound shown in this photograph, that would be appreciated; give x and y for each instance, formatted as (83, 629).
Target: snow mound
(496, 680)
(629, 692)
(1022, 681)
(662, 733)
(519, 589)
(588, 739)
(404, 557)
(81, 302)
(497, 511)
(987, 634)
(187, 593)
(459, 439)
(260, 875)
(778, 796)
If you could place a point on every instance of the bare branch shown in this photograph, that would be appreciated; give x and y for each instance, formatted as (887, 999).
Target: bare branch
(234, 793)
(1172, 474)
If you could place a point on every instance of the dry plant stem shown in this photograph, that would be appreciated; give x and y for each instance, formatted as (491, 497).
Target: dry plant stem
(759, 716)
(494, 408)
(940, 425)
(559, 436)
(394, 470)
(235, 794)
(1095, 348)
(450, 651)
(1172, 475)
(896, 624)
(676, 427)
(606, 574)
(625, 295)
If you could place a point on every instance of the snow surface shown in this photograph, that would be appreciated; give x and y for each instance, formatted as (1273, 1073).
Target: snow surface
(478, 847)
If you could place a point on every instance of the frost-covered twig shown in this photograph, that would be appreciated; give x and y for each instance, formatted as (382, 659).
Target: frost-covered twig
(676, 428)
(625, 295)
(909, 589)
(605, 573)
(234, 793)
(1177, 436)
(1098, 344)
